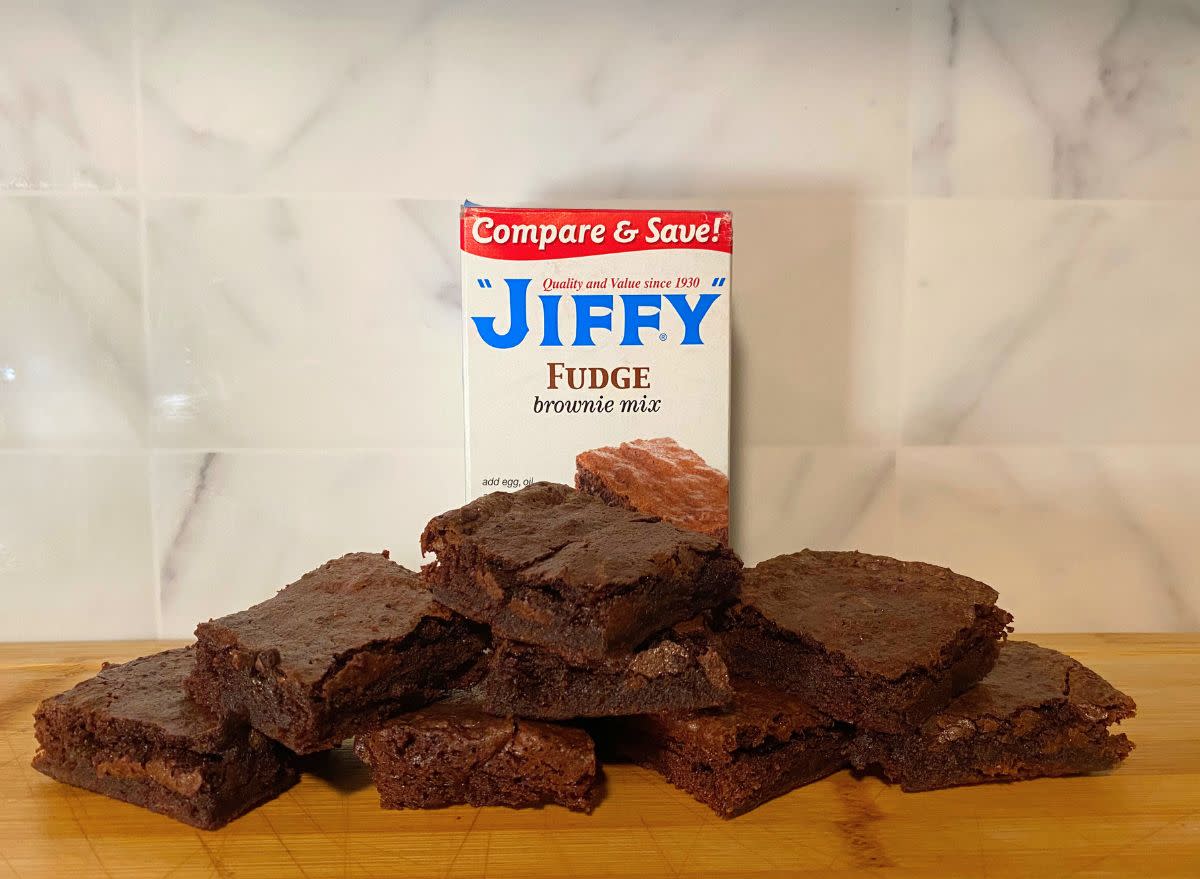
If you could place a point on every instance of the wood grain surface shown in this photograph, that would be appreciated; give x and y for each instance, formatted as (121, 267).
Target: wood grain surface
(1141, 820)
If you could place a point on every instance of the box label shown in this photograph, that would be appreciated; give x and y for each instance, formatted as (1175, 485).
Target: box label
(590, 328)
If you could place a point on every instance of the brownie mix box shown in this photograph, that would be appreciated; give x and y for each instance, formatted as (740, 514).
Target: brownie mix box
(596, 353)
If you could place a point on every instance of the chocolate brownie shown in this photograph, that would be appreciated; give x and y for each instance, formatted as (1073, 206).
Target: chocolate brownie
(130, 733)
(556, 567)
(767, 744)
(659, 477)
(1039, 713)
(679, 671)
(865, 639)
(343, 648)
(453, 753)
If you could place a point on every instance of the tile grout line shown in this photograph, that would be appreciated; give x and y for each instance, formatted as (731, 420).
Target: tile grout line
(901, 401)
(1148, 446)
(908, 102)
(164, 451)
(902, 344)
(144, 279)
(1183, 202)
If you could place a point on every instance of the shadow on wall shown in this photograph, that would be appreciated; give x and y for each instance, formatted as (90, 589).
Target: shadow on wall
(1073, 539)
(814, 312)
(793, 331)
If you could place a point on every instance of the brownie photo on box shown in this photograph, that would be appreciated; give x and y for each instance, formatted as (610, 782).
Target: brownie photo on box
(343, 648)
(1039, 713)
(869, 640)
(453, 753)
(130, 733)
(678, 671)
(552, 566)
(659, 477)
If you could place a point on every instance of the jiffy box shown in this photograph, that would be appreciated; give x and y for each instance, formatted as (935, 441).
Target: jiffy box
(589, 329)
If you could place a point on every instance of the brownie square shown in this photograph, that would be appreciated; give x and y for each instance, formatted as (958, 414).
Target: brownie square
(659, 477)
(767, 744)
(453, 753)
(678, 671)
(865, 639)
(130, 733)
(552, 566)
(343, 648)
(1039, 713)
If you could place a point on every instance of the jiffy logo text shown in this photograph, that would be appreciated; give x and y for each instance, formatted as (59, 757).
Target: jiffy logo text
(595, 312)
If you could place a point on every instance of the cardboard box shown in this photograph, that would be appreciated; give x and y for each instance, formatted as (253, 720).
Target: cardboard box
(588, 329)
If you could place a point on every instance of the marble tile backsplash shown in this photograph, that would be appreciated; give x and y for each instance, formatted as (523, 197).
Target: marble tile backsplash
(965, 318)
(302, 323)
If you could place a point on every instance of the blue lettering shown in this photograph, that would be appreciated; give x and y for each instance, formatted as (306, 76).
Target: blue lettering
(635, 320)
(587, 320)
(691, 316)
(593, 311)
(518, 327)
(550, 337)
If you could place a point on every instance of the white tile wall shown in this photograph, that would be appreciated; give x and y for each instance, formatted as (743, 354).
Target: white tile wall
(1071, 99)
(829, 497)
(303, 323)
(67, 96)
(1050, 323)
(72, 355)
(817, 320)
(1091, 539)
(524, 99)
(232, 527)
(75, 547)
(965, 308)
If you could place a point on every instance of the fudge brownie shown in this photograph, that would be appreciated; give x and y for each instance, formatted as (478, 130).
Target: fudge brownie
(679, 671)
(659, 477)
(132, 734)
(767, 744)
(865, 639)
(1039, 713)
(556, 567)
(453, 753)
(341, 649)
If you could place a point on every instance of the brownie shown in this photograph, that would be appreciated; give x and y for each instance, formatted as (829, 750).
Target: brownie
(342, 649)
(556, 567)
(1039, 713)
(767, 744)
(865, 639)
(679, 671)
(453, 753)
(132, 734)
(659, 477)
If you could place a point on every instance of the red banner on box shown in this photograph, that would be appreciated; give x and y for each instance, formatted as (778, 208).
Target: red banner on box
(549, 233)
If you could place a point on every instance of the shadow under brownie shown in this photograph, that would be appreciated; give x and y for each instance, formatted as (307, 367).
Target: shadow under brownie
(866, 639)
(678, 671)
(132, 734)
(766, 744)
(342, 649)
(453, 753)
(552, 566)
(1039, 713)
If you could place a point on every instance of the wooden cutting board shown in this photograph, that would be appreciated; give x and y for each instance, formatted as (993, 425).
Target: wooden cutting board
(1141, 820)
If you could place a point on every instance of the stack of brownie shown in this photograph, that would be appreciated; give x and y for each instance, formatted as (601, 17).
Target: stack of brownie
(593, 611)
(205, 733)
(907, 665)
(555, 618)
